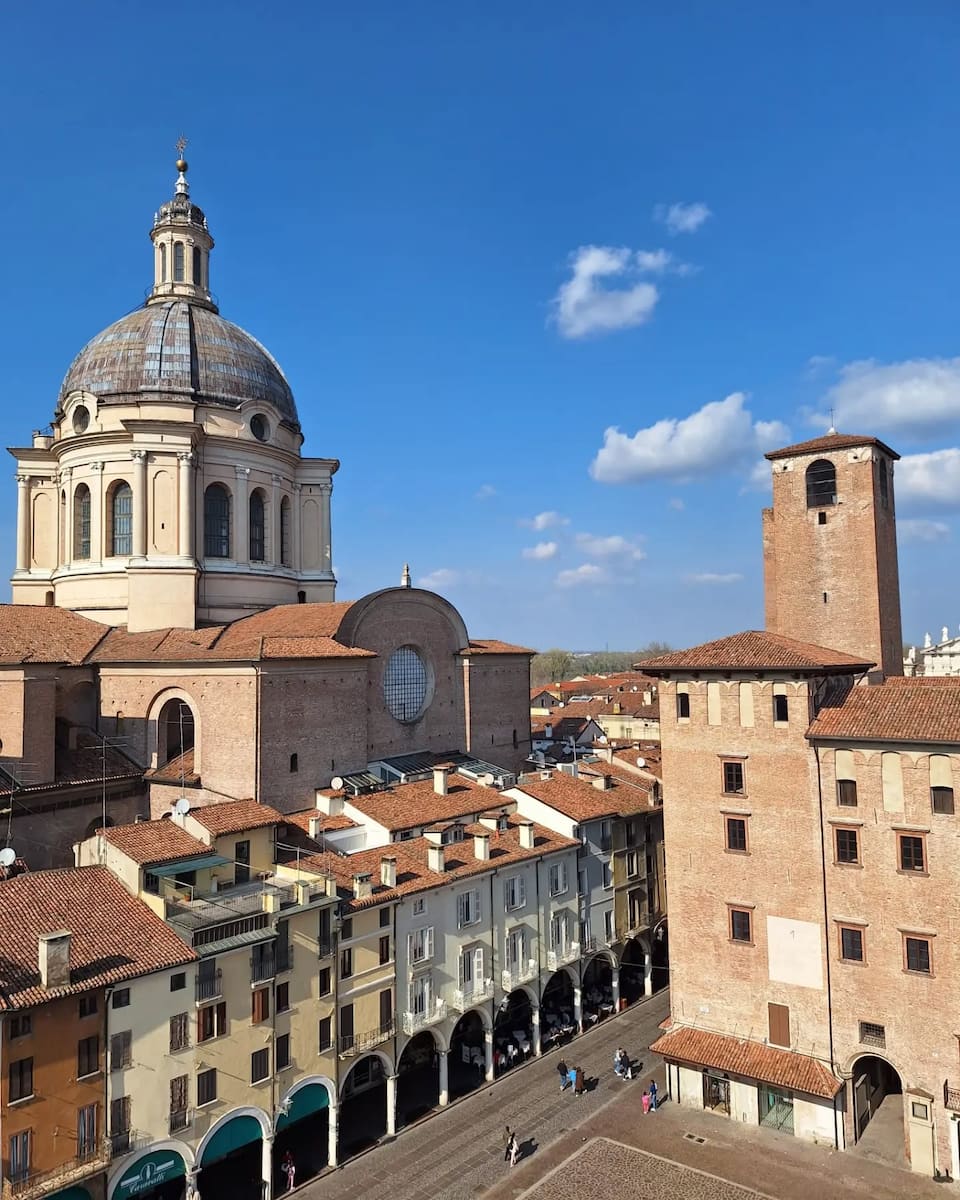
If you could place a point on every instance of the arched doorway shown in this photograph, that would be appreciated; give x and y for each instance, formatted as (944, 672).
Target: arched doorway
(597, 989)
(176, 730)
(466, 1061)
(512, 1031)
(877, 1101)
(632, 970)
(157, 1174)
(556, 1010)
(363, 1108)
(661, 957)
(231, 1159)
(303, 1130)
(418, 1079)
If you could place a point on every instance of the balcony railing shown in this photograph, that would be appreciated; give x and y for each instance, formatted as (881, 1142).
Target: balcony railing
(325, 947)
(565, 954)
(589, 945)
(179, 1119)
(357, 1043)
(951, 1096)
(34, 1184)
(519, 973)
(210, 987)
(473, 993)
(413, 1022)
(263, 966)
(284, 958)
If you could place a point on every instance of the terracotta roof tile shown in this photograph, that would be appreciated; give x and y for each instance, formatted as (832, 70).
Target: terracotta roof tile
(829, 441)
(328, 824)
(236, 816)
(782, 1068)
(115, 936)
(755, 650)
(414, 804)
(150, 842)
(177, 770)
(897, 710)
(578, 798)
(491, 646)
(32, 633)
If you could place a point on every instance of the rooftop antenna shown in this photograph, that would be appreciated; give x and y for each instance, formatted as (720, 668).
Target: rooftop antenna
(833, 428)
(8, 856)
(182, 806)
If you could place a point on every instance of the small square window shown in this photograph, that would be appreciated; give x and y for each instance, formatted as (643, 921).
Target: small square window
(21, 1025)
(733, 778)
(920, 1110)
(851, 944)
(683, 706)
(384, 918)
(941, 800)
(121, 998)
(872, 1034)
(88, 1005)
(740, 925)
(821, 518)
(911, 852)
(283, 997)
(917, 955)
(736, 834)
(847, 793)
(780, 709)
(178, 982)
(848, 846)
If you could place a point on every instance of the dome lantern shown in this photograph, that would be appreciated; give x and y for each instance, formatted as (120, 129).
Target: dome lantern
(181, 246)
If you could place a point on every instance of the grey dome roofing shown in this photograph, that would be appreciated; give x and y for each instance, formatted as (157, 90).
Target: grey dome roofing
(180, 347)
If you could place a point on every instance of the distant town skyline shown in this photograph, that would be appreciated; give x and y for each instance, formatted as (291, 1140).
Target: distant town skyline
(548, 286)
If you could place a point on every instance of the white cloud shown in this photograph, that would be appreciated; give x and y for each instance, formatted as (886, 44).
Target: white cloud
(484, 491)
(677, 504)
(585, 573)
(932, 478)
(919, 530)
(714, 577)
(582, 306)
(544, 520)
(654, 262)
(915, 397)
(614, 546)
(443, 577)
(721, 434)
(541, 550)
(682, 218)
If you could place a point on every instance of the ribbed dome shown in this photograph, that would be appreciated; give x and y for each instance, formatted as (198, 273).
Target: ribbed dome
(179, 347)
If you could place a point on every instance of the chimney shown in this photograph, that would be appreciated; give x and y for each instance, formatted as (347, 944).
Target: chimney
(362, 887)
(434, 836)
(548, 731)
(303, 893)
(53, 955)
(315, 827)
(440, 780)
(435, 858)
(490, 820)
(271, 901)
(602, 783)
(388, 871)
(481, 846)
(526, 835)
(608, 753)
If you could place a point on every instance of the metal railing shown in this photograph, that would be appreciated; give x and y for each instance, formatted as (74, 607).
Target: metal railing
(210, 987)
(471, 994)
(37, 1183)
(951, 1096)
(356, 1043)
(179, 1119)
(565, 954)
(325, 948)
(512, 977)
(263, 966)
(413, 1022)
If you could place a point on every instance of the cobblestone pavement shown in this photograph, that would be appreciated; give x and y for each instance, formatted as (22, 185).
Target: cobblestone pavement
(458, 1153)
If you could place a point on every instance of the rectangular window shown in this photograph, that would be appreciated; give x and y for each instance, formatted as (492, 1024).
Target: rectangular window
(941, 799)
(910, 847)
(847, 845)
(419, 906)
(88, 1056)
(212, 1021)
(608, 932)
(851, 943)
(121, 998)
(207, 1086)
(121, 1050)
(468, 908)
(259, 1065)
(916, 952)
(778, 1020)
(179, 1032)
(386, 1010)
(633, 864)
(420, 945)
(260, 1006)
(21, 1079)
(324, 935)
(514, 892)
(384, 950)
(283, 1051)
(346, 929)
(607, 875)
(20, 1156)
(781, 712)
(683, 706)
(384, 918)
(326, 987)
(20, 1026)
(740, 925)
(326, 1033)
(558, 878)
(733, 778)
(346, 1025)
(736, 828)
(86, 1131)
(606, 835)
(179, 1102)
(847, 793)
(178, 982)
(283, 997)
(120, 1113)
(88, 1005)
(346, 963)
(873, 1035)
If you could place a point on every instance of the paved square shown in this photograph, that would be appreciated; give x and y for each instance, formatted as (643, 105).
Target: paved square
(608, 1170)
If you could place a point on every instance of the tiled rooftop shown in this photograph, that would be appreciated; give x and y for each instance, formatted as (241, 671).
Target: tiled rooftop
(151, 842)
(31, 633)
(177, 770)
(115, 936)
(492, 646)
(756, 650)
(829, 441)
(897, 710)
(236, 816)
(581, 800)
(327, 824)
(415, 804)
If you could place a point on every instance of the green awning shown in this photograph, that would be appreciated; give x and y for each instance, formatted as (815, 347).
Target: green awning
(189, 864)
(304, 1103)
(238, 1132)
(71, 1193)
(146, 1172)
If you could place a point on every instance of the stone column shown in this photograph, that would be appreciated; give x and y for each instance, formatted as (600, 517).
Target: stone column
(615, 985)
(296, 550)
(187, 520)
(66, 482)
(266, 1166)
(274, 548)
(391, 1106)
(444, 1078)
(648, 974)
(578, 1007)
(488, 1054)
(23, 522)
(96, 511)
(332, 1127)
(535, 1017)
(326, 549)
(241, 516)
(139, 541)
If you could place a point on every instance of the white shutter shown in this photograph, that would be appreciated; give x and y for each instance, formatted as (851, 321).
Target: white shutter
(411, 946)
(478, 966)
(462, 909)
(507, 944)
(428, 940)
(562, 876)
(475, 905)
(462, 962)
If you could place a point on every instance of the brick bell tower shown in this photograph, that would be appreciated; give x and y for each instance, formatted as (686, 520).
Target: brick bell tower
(830, 548)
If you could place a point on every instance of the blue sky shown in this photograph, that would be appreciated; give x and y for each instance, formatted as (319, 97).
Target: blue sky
(479, 237)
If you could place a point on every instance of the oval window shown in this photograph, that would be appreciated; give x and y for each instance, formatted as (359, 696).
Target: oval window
(81, 419)
(259, 427)
(405, 684)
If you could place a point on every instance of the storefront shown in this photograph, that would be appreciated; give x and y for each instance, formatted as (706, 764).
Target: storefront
(154, 1175)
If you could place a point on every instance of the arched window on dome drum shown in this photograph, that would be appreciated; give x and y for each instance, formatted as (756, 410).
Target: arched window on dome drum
(163, 262)
(81, 521)
(121, 520)
(285, 531)
(178, 267)
(216, 521)
(257, 528)
(197, 266)
(821, 484)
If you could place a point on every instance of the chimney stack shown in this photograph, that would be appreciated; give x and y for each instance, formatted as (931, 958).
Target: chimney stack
(315, 827)
(526, 835)
(388, 871)
(53, 955)
(440, 775)
(481, 846)
(436, 858)
(362, 887)
(602, 783)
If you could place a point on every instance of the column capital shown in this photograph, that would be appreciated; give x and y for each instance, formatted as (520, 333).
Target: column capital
(138, 456)
(276, 478)
(241, 472)
(325, 488)
(65, 473)
(187, 457)
(297, 487)
(23, 480)
(96, 466)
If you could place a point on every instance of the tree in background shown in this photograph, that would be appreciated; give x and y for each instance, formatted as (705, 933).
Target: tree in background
(552, 666)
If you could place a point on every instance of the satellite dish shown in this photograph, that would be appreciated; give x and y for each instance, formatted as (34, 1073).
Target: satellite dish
(337, 783)
(8, 856)
(182, 807)
(641, 762)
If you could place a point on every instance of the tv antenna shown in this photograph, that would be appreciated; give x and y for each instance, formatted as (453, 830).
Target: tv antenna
(8, 856)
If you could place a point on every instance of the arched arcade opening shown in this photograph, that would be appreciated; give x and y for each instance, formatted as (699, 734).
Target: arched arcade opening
(363, 1106)
(231, 1158)
(557, 1022)
(512, 1030)
(467, 1058)
(418, 1079)
(303, 1131)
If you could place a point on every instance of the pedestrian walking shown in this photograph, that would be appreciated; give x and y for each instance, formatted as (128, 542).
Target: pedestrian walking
(653, 1095)
(507, 1136)
(646, 1103)
(563, 1070)
(572, 1079)
(289, 1169)
(578, 1086)
(514, 1150)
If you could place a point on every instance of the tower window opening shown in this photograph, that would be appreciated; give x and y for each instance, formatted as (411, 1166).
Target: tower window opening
(294, 764)
(884, 483)
(81, 522)
(197, 266)
(821, 484)
(824, 597)
(821, 518)
(257, 528)
(216, 521)
(121, 520)
(178, 263)
(285, 531)
(163, 262)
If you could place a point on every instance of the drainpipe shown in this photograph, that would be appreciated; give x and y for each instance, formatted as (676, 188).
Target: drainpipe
(256, 730)
(493, 977)
(826, 934)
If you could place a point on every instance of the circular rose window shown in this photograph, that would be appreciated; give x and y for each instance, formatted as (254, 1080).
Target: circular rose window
(81, 419)
(259, 427)
(405, 684)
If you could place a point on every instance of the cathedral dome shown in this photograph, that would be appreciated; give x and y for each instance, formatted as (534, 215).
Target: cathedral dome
(178, 347)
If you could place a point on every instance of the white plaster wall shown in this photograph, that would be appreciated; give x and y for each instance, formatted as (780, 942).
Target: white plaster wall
(744, 1102)
(691, 1087)
(813, 1120)
(795, 952)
